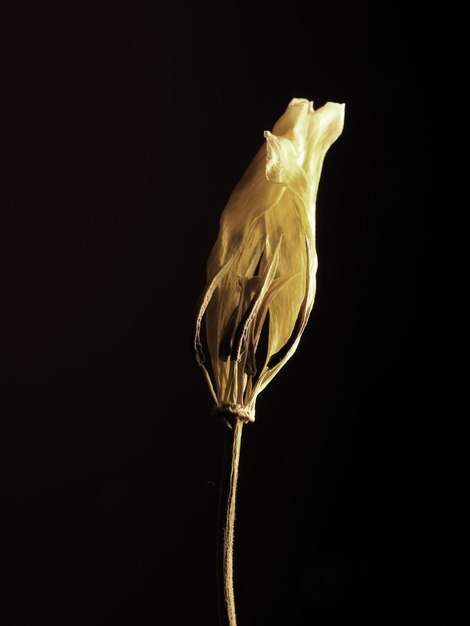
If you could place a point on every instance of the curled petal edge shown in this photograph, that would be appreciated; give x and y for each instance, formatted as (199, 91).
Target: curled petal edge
(204, 300)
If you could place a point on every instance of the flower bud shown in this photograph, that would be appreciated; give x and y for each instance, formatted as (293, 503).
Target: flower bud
(261, 273)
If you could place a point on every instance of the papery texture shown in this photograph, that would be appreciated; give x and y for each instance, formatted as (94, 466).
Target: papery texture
(263, 264)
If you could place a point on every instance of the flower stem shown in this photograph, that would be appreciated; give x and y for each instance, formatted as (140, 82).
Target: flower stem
(226, 519)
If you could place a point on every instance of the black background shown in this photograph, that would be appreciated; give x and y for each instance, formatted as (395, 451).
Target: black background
(127, 126)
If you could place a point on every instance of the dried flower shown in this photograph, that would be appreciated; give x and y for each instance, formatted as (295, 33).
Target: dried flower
(261, 283)
(261, 271)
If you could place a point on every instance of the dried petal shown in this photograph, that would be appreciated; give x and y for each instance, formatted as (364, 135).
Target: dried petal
(264, 260)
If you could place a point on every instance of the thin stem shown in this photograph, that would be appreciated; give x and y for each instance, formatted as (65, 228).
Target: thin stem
(226, 521)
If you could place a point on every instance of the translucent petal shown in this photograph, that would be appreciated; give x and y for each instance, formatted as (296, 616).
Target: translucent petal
(267, 229)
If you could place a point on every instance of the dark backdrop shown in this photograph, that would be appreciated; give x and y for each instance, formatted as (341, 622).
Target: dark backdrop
(127, 126)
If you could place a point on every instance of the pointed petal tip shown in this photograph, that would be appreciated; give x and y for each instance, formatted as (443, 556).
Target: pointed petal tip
(331, 115)
(297, 101)
(310, 103)
(330, 109)
(339, 107)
